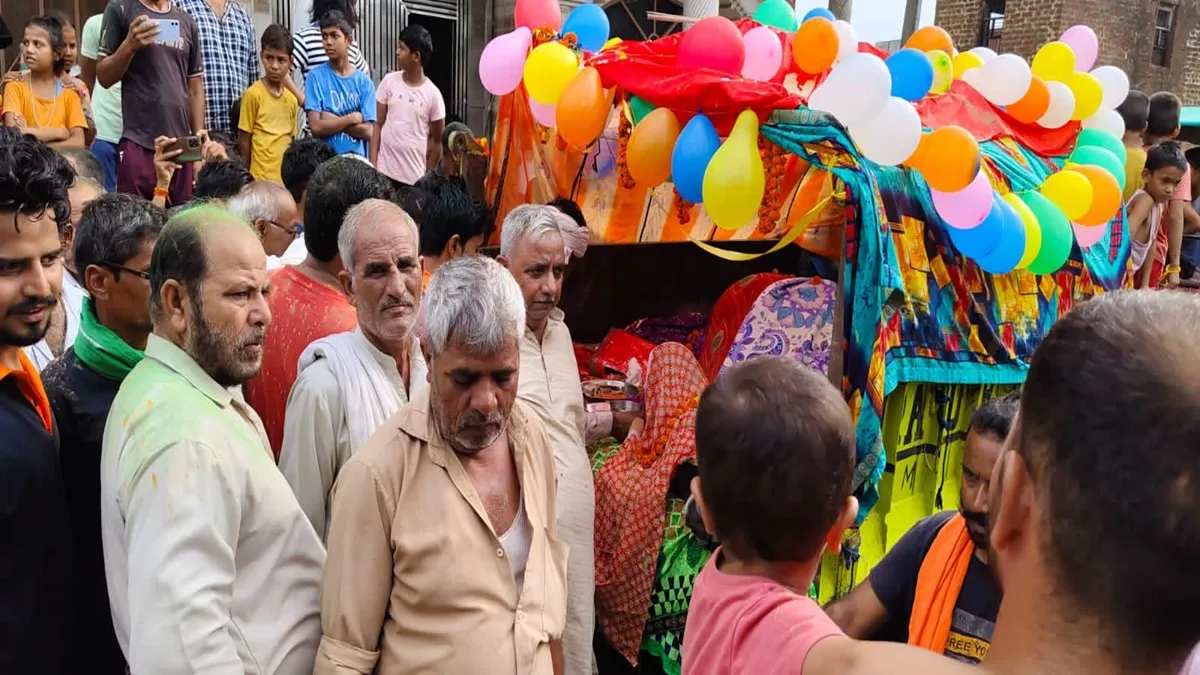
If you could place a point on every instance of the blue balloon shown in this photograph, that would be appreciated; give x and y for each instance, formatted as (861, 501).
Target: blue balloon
(1004, 258)
(589, 23)
(979, 241)
(694, 148)
(821, 12)
(912, 74)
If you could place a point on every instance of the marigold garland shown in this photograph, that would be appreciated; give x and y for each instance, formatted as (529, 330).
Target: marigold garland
(646, 451)
(682, 207)
(775, 168)
(624, 131)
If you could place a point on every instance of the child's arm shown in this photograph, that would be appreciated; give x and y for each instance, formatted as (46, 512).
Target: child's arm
(1139, 217)
(433, 149)
(74, 139)
(377, 134)
(843, 656)
(244, 146)
(368, 108)
(246, 118)
(324, 124)
(1191, 219)
(363, 131)
(1174, 240)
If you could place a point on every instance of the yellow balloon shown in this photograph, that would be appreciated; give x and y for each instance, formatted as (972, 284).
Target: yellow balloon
(1070, 191)
(548, 70)
(734, 182)
(1033, 229)
(1054, 62)
(965, 61)
(612, 42)
(943, 71)
(1089, 93)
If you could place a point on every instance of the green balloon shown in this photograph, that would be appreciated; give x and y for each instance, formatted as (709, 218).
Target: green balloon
(1101, 139)
(777, 14)
(640, 108)
(1097, 156)
(1057, 235)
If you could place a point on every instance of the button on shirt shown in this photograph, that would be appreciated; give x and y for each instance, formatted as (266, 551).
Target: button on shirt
(230, 58)
(211, 564)
(417, 580)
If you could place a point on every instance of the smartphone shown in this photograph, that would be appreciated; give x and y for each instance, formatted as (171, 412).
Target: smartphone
(168, 30)
(190, 145)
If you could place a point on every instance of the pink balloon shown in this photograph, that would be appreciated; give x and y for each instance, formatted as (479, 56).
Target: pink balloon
(1083, 41)
(966, 208)
(542, 112)
(712, 42)
(764, 53)
(502, 63)
(1089, 236)
(535, 14)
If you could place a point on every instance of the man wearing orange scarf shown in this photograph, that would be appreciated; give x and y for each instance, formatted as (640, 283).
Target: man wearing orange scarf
(934, 589)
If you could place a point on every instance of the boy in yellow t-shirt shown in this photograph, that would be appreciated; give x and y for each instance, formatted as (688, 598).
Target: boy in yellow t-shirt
(267, 123)
(1136, 112)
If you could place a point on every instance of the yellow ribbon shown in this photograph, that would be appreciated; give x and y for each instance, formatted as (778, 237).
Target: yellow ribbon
(791, 236)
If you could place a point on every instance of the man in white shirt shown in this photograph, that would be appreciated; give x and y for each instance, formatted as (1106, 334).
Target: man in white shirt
(350, 383)
(272, 211)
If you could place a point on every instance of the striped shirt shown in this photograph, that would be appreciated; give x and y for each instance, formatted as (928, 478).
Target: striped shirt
(310, 53)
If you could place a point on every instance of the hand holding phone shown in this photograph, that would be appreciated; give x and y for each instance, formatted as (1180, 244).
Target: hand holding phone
(143, 32)
(168, 30)
(189, 148)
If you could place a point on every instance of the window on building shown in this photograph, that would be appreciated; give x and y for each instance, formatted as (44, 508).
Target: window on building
(1164, 25)
(991, 24)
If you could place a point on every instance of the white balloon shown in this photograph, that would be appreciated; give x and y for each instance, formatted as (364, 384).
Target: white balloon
(847, 40)
(855, 91)
(1062, 105)
(891, 136)
(1004, 80)
(1108, 121)
(1115, 83)
(983, 53)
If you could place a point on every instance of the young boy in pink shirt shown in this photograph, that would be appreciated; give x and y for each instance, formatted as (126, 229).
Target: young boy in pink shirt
(775, 448)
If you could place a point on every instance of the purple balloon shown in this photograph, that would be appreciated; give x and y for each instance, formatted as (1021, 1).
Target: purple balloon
(1083, 41)
(966, 208)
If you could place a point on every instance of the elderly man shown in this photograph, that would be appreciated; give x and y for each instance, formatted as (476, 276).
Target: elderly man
(443, 555)
(116, 236)
(351, 383)
(210, 561)
(271, 210)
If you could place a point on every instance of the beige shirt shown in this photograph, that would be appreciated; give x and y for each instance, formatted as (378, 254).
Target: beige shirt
(549, 383)
(417, 580)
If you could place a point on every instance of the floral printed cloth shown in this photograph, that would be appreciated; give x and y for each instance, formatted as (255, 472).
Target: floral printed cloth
(793, 317)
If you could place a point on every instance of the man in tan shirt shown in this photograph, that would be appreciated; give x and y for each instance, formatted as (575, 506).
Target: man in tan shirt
(443, 554)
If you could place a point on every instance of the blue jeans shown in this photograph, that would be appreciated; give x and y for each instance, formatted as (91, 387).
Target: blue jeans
(108, 155)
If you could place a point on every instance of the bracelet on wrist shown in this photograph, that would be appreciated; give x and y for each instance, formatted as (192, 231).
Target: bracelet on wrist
(161, 192)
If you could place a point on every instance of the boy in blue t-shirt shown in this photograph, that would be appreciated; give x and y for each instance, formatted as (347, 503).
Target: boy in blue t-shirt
(339, 99)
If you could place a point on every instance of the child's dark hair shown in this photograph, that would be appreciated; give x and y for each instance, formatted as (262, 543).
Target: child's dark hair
(1164, 155)
(1193, 157)
(279, 38)
(775, 448)
(1134, 110)
(235, 114)
(996, 416)
(447, 209)
(58, 44)
(417, 39)
(336, 19)
(62, 18)
(570, 208)
(1163, 118)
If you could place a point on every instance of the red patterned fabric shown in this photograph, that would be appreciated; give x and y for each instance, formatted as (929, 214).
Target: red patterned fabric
(727, 316)
(631, 495)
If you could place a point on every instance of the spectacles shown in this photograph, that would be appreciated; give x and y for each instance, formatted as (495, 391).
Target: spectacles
(121, 268)
(293, 231)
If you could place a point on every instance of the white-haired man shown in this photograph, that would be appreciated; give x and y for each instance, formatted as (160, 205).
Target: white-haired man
(272, 210)
(443, 554)
(351, 383)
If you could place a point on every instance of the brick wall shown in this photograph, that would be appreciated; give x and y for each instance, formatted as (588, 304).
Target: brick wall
(961, 19)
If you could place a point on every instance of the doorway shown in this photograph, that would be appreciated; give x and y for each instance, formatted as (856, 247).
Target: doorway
(443, 65)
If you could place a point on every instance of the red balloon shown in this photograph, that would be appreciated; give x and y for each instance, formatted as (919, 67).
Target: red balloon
(714, 42)
(535, 14)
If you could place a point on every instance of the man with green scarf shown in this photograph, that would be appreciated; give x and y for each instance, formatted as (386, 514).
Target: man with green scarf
(113, 242)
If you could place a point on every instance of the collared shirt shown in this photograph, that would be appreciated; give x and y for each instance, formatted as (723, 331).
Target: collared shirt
(29, 383)
(417, 580)
(230, 58)
(211, 564)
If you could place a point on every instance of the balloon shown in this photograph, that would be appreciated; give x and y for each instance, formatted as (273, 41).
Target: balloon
(948, 159)
(815, 46)
(943, 71)
(1011, 247)
(639, 107)
(648, 154)
(777, 14)
(1088, 95)
(1106, 196)
(1003, 80)
(589, 23)
(1062, 106)
(1115, 84)
(912, 74)
(503, 61)
(818, 13)
(542, 112)
(612, 42)
(977, 242)
(966, 208)
(1033, 104)
(582, 110)
(847, 39)
(929, 38)
(694, 148)
(764, 53)
(713, 42)
(1088, 236)
(1096, 156)
(1107, 121)
(1055, 230)
(535, 14)
(548, 70)
(983, 53)
(1104, 140)
(1054, 62)
(1070, 191)
(965, 61)
(855, 90)
(1033, 230)
(735, 180)
(893, 135)
(1083, 42)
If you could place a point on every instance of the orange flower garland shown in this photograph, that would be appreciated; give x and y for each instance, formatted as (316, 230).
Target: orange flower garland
(682, 207)
(775, 164)
(646, 450)
(624, 131)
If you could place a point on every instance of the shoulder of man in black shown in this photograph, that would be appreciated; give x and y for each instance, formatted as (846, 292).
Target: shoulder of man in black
(894, 578)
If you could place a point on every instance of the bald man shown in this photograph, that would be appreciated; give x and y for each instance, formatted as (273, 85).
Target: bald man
(210, 562)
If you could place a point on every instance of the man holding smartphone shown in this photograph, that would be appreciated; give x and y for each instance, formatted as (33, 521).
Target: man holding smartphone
(152, 48)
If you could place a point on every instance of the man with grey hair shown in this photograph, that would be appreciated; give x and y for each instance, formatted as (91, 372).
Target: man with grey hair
(272, 211)
(443, 552)
(350, 383)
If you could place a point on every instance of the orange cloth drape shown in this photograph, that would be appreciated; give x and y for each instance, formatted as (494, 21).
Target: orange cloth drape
(938, 584)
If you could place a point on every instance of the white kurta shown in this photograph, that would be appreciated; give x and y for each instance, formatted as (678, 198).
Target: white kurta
(346, 389)
(549, 383)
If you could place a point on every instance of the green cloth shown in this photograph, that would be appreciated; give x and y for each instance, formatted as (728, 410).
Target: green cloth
(102, 350)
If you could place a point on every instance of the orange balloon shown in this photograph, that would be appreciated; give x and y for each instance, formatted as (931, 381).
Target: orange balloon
(930, 38)
(948, 158)
(815, 46)
(1033, 104)
(1106, 196)
(648, 154)
(583, 107)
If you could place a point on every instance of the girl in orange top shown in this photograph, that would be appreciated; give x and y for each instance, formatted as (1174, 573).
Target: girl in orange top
(39, 104)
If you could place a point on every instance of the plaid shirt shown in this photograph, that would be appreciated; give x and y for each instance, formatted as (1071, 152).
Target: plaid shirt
(230, 58)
